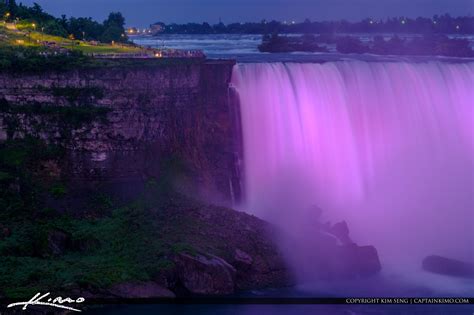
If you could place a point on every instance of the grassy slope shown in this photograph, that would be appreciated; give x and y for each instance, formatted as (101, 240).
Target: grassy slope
(29, 38)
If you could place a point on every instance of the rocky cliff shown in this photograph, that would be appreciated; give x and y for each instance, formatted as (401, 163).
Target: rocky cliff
(118, 124)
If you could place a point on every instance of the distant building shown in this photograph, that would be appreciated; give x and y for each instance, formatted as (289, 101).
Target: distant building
(137, 31)
(157, 28)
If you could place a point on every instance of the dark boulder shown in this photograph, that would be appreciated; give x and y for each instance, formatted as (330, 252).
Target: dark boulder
(167, 277)
(341, 231)
(140, 290)
(447, 266)
(356, 261)
(244, 241)
(205, 274)
(242, 260)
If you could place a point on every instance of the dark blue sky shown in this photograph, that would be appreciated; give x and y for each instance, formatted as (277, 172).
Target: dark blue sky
(144, 12)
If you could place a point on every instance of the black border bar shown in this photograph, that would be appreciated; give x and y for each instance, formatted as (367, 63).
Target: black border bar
(275, 301)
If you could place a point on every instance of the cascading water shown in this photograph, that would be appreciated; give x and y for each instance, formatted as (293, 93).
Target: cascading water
(386, 146)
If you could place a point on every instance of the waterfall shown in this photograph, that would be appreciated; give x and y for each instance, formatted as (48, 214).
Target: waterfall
(386, 146)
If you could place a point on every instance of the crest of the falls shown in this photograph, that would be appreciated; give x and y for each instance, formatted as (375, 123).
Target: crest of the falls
(388, 146)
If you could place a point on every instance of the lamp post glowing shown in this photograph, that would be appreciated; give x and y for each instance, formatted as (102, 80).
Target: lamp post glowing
(71, 37)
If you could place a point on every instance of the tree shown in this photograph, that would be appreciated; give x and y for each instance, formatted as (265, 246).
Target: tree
(115, 18)
(85, 26)
(114, 28)
(112, 34)
(54, 28)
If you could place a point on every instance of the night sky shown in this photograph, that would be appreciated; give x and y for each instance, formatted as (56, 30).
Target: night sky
(144, 12)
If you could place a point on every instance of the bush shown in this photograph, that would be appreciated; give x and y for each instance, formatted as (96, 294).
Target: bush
(27, 59)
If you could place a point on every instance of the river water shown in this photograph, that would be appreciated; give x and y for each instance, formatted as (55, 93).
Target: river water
(244, 48)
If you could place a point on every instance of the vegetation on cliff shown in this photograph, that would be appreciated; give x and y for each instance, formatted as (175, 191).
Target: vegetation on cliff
(31, 60)
(22, 59)
(43, 248)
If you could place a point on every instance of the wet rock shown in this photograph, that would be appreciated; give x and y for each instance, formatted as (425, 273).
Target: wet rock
(140, 290)
(205, 274)
(354, 260)
(242, 260)
(58, 242)
(249, 234)
(167, 277)
(341, 231)
(447, 266)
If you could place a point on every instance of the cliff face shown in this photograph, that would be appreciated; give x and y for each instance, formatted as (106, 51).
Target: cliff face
(117, 125)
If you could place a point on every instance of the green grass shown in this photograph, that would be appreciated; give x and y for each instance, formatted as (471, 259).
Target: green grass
(26, 36)
(113, 244)
(125, 252)
(107, 49)
(124, 245)
(79, 45)
(19, 52)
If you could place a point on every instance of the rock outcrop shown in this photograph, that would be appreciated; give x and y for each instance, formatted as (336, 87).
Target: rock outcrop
(354, 260)
(325, 251)
(447, 266)
(242, 260)
(205, 274)
(348, 258)
(341, 231)
(140, 290)
(241, 240)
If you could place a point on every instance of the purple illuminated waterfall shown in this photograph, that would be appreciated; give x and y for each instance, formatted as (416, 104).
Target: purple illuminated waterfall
(386, 146)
